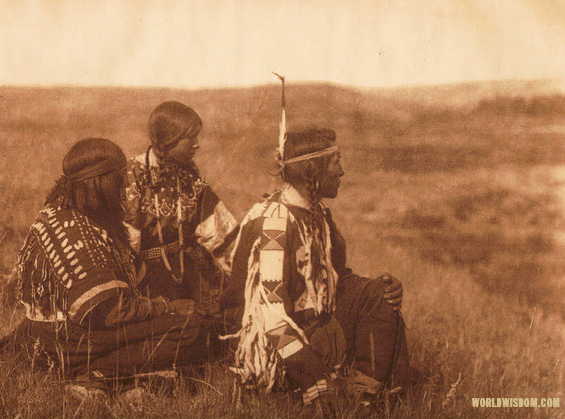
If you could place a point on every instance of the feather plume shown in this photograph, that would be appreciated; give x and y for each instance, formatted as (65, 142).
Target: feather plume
(282, 125)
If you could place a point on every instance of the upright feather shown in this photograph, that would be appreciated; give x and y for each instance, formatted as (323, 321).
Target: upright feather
(282, 125)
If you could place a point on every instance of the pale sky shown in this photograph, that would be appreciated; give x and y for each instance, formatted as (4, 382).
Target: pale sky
(207, 43)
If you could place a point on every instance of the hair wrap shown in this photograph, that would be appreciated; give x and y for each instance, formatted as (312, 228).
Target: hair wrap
(99, 168)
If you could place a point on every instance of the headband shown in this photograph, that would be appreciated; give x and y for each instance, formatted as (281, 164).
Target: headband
(99, 168)
(322, 153)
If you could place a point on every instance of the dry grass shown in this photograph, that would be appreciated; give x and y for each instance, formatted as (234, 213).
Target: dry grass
(451, 196)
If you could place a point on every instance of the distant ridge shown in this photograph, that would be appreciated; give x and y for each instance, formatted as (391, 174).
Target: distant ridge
(441, 95)
(470, 93)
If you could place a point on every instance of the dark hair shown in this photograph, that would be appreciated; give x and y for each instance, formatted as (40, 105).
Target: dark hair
(171, 121)
(310, 171)
(303, 142)
(97, 197)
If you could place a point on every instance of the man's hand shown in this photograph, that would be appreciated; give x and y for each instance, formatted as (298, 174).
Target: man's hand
(393, 291)
(182, 307)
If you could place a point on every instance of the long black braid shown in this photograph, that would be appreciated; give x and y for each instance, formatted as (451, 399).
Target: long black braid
(311, 178)
(315, 223)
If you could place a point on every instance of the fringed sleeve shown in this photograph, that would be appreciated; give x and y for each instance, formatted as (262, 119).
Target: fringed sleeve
(263, 271)
(39, 291)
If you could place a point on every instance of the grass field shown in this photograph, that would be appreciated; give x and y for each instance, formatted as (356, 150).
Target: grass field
(451, 189)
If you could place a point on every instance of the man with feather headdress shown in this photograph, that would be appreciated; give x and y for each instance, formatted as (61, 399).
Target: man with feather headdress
(306, 315)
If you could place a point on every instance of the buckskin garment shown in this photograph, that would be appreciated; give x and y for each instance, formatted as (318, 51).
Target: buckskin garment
(84, 314)
(306, 313)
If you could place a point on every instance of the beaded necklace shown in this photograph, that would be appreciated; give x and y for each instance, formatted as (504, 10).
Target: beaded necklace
(190, 203)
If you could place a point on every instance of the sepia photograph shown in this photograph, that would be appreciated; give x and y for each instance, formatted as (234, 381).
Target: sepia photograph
(282, 209)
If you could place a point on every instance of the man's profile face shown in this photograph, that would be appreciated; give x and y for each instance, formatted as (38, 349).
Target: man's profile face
(330, 181)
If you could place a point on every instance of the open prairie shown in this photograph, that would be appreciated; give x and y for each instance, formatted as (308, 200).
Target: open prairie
(459, 191)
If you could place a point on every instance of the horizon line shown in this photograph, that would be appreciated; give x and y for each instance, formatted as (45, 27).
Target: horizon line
(560, 85)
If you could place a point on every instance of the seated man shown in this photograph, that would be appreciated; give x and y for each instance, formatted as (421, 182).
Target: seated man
(178, 224)
(304, 309)
(77, 281)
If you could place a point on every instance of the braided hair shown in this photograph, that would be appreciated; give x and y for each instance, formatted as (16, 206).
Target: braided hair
(308, 172)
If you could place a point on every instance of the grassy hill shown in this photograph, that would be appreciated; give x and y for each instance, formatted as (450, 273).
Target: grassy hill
(448, 188)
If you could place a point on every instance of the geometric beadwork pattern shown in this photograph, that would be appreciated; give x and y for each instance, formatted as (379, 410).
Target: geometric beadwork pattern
(271, 288)
(282, 336)
(273, 240)
(72, 248)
